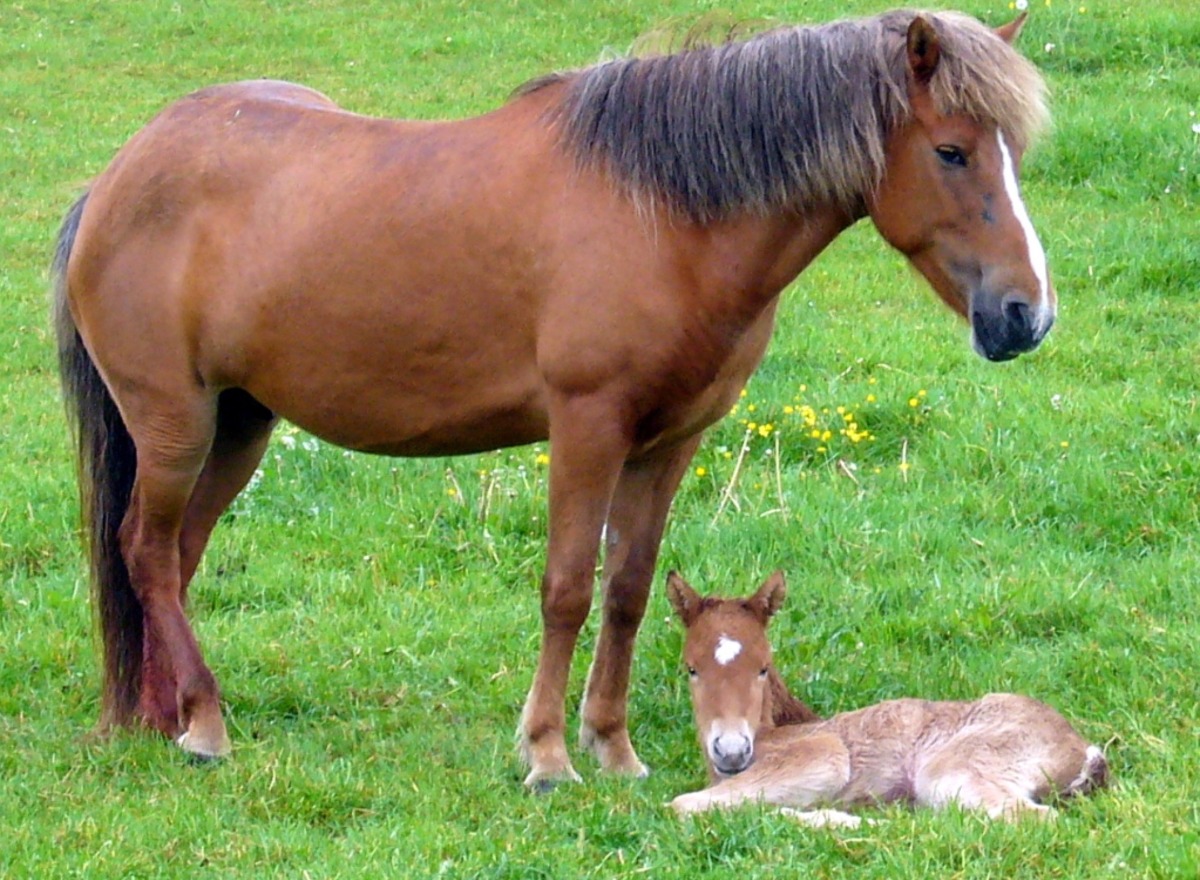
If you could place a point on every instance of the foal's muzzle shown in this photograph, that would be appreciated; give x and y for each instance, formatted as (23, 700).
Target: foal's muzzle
(1004, 327)
(731, 753)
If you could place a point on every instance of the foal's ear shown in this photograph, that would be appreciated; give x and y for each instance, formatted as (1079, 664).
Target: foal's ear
(769, 597)
(1009, 32)
(924, 50)
(683, 598)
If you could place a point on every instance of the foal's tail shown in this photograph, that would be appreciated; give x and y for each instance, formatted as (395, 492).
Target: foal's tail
(1093, 774)
(105, 463)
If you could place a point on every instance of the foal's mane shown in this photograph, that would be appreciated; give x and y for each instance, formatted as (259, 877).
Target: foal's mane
(793, 116)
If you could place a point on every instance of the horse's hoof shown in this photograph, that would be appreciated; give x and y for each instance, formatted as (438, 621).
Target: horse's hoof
(539, 782)
(614, 753)
(205, 750)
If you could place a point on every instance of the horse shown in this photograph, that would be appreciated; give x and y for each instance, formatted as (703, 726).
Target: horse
(596, 262)
(1003, 754)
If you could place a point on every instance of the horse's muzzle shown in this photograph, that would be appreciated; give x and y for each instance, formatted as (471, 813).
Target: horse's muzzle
(1004, 327)
(731, 753)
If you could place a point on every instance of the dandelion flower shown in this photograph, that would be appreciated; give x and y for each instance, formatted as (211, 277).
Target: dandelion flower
(542, 459)
(912, 401)
(701, 471)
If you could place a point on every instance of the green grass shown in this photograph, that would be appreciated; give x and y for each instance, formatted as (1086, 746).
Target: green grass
(374, 633)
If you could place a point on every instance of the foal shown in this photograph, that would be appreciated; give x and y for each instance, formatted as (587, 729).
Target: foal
(1003, 753)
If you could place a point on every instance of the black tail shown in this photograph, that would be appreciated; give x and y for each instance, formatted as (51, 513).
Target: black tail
(1092, 775)
(106, 464)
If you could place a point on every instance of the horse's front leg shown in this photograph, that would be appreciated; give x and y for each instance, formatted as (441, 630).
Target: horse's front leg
(634, 532)
(587, 450)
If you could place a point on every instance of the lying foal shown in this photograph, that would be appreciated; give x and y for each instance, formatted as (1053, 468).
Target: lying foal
(1002, 754)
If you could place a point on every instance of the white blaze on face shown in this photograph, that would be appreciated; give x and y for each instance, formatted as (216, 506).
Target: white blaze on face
(727, 650)
(1037, 256)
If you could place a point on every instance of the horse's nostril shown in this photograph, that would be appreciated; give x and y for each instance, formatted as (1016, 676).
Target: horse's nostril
(1018, 315)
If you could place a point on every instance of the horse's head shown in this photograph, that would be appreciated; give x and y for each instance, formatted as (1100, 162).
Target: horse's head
(728, 660)
(949, 200)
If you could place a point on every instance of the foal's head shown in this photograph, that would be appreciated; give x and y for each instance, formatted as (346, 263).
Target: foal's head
(949, 199)
(728, 660)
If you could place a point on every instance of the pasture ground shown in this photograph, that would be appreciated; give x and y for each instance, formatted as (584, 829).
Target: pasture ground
(1030, 526)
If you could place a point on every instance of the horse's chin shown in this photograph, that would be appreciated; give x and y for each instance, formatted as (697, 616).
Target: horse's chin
(729, 774)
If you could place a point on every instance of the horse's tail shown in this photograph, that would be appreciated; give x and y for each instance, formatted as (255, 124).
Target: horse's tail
(105, 463)
(1092, 775)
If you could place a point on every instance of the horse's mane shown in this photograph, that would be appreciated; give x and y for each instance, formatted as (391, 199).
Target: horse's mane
(785, 708)
(793, 116)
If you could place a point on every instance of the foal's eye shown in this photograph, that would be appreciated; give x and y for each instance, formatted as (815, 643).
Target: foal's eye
(762, 673)
(952, 155)
(692, 671)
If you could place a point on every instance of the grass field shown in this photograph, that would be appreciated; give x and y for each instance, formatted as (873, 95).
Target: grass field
(1030, 526)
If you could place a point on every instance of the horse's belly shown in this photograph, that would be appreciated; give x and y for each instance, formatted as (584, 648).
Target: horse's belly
(406, 411)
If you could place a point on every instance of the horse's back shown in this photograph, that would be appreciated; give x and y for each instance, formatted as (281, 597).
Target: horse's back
(274, 242)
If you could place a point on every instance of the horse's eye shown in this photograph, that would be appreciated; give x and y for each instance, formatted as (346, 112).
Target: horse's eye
(692, 671)
(952, 155)
(762, 673)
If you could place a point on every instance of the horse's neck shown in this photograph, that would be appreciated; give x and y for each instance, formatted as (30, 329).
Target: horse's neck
(751, 258)
(782, 708)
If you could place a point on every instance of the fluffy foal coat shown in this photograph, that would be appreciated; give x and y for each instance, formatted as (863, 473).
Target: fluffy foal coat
(1004, 753)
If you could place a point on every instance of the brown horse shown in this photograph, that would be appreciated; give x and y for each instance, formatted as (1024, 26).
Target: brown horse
(1003, 754)
(597, 261)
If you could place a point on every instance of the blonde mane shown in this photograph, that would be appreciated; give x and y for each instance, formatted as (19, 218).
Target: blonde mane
(793, 116)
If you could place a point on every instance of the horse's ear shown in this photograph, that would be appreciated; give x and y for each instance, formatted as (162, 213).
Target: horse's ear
(683, 598)
(1009, 32)
(769, 597)
(924, 50)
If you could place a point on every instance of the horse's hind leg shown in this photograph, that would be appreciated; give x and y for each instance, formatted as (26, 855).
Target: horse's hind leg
(173, 434)
(242, 432)
(955, 777)
(634, 532)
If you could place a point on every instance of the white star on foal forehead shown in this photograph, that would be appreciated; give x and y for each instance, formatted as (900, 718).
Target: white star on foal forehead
(727, 649)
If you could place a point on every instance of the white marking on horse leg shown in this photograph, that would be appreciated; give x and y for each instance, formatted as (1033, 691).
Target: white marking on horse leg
(824, 818)
(727, 650)
(1037, 256)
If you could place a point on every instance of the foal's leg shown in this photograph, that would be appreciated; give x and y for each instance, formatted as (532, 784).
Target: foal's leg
(173, 435)
(587, 450)
(243, 429)
(955, 776)
(799, 772)
(973, 792)
(635, 527)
